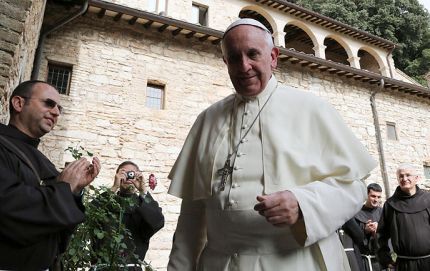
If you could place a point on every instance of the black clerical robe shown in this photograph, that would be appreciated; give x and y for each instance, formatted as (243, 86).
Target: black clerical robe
(35, 220)
(143, 218)
(352, 241)
(369, 245)
(406, 220)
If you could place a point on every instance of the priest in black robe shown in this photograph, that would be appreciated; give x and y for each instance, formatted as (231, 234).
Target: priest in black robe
(367, 219)
(406, 221)
(39, 206)
(142, 216)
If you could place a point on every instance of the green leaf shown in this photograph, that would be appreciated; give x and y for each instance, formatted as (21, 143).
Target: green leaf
(100, 235)
(72, 251)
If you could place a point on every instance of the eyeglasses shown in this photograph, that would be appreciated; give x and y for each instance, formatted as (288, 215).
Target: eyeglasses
(49, 103)
(406, 176)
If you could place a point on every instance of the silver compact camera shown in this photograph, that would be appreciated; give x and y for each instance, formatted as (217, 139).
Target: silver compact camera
(130, 175)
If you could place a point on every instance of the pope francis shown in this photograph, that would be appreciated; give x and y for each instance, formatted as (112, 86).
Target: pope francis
(267, 174)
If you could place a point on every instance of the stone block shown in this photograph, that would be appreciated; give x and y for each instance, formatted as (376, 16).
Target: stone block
(7, 47)
(5, 58)
(10, 23)
(3, 82)
(14, 12)
(21, 4)
(4, 70)
(9, 36)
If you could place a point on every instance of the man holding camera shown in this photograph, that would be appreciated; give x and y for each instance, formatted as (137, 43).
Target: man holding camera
(141, 216)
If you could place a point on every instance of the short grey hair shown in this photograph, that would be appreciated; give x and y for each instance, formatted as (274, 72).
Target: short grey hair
(405, 166)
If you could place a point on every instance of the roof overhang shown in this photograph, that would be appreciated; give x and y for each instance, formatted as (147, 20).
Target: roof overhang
(312, 62)
(327, 22)
(204, 34)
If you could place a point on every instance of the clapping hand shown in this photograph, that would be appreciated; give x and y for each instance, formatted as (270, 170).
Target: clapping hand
(80, 173)
(371, 227)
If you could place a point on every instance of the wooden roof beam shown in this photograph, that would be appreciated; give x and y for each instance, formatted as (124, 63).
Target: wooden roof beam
(162, 28)
(117, 17)
(205, 37)
(101, 13)
(176, 31)
(191, 34)
(216, 42)
(148, 24)
(132, 21)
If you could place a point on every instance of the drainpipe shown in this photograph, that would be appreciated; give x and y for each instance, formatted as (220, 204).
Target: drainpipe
(379, 139)
(49, 30)
(389, 62)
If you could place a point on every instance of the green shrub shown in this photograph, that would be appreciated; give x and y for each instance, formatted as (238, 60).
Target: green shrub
(104, 212)
(103, 223)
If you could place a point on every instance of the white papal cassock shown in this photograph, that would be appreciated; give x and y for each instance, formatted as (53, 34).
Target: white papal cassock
(298, 143)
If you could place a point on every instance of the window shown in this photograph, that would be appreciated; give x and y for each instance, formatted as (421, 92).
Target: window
(391, 131)
(157, 6)
(155, 96)
(59, 75)
(199, 14)
(427, 171)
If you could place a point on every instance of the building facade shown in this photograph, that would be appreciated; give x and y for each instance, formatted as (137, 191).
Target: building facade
(135, 74)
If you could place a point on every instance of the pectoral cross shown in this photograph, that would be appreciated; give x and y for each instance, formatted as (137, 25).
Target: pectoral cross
(225, 173)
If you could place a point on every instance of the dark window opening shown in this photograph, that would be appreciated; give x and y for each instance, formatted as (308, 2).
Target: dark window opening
(59, 76)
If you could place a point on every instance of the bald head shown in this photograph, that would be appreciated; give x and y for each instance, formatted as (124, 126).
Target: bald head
(35, 108)
(25, 89)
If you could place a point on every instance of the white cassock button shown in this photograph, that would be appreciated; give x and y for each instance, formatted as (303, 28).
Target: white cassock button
(234, 185)
(236, 167)
(244, 126)
(231, 202)
(235, 255)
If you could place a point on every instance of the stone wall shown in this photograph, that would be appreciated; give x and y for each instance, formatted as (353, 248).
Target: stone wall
(105, 112)
(20, 23)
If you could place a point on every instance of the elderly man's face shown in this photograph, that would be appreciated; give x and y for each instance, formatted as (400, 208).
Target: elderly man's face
(407, 179)
(250, 59)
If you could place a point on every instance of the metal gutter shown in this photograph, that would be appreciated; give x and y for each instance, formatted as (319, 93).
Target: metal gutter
(389, 62)
(50, 29)
(379, 142)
